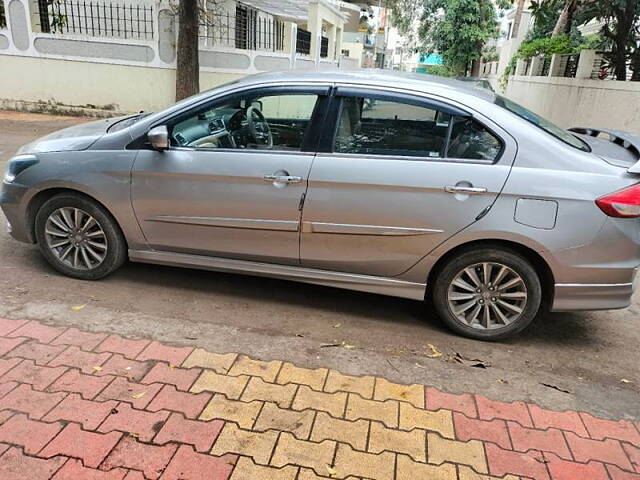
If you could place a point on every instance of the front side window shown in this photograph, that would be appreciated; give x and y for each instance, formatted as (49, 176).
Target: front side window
(383, 127)
(259, 122)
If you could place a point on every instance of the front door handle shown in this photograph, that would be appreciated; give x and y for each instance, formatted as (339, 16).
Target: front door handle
(465, 190)
(282, 179)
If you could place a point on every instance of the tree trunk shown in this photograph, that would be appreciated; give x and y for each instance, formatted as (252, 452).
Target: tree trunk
(475, 68)
(635, 65)
(624, 20)
(563, 25)
(517, 19)
(621, 61)
(188, 67)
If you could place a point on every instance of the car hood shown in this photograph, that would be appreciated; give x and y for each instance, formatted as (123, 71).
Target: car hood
(78, 137)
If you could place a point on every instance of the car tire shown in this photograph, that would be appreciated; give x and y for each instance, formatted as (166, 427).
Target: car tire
(88, 229)
(512, 301)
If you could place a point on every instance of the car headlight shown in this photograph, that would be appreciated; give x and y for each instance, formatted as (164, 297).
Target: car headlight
(18, 164)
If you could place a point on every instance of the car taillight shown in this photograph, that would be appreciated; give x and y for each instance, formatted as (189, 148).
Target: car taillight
(621, 204)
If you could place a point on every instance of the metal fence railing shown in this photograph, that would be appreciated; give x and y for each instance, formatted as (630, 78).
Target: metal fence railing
(546, 66)
(303, 42)
(571, 66)
(3, 16)
(247, 29)
(95, 18)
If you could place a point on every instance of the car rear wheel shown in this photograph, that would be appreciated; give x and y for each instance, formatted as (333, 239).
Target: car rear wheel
(487, 294)
(79, 238)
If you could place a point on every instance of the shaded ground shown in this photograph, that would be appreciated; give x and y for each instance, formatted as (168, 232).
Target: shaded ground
(592, 356)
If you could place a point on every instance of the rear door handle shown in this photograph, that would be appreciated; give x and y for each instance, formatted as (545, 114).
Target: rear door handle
(465, 190)
(282, 179)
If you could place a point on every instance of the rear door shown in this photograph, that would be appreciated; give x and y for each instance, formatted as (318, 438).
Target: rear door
(399, 175)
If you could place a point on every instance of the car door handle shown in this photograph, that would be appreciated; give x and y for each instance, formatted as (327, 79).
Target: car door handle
(465, 190)
(282, 179)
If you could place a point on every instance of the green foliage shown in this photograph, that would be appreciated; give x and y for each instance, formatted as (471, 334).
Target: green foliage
(490, 55)
(620, 31)
(457, 29)
(545, 46)
(439, 70)
(545, 14)
(540, 46)
(595, 41)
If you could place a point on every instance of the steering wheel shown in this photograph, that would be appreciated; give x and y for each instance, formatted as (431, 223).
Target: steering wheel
(259, 127)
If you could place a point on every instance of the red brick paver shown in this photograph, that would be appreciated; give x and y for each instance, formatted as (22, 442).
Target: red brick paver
(150, 459)
(86, 406)
(89, 447)
(14, 465)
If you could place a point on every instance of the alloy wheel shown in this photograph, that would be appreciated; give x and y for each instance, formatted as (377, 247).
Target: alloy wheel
(75, 238)
(487, 295)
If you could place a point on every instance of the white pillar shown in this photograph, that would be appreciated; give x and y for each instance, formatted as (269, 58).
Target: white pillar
(585, 63)
(536, 66)
(556, 66)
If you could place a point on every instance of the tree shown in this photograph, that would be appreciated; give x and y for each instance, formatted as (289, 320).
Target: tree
(563, 25)
(457, 29)
(187, 65)
(517, 19)
(620, 19)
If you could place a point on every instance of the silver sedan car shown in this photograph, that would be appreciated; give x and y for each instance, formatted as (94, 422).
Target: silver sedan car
(398, 184)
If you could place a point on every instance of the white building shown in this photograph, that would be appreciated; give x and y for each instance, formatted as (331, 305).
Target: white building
(121, 54)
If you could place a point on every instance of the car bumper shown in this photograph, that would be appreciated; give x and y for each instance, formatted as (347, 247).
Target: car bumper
(574, 296)
(10, 201)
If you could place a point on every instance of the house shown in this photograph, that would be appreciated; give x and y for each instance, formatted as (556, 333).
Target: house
(120, 55)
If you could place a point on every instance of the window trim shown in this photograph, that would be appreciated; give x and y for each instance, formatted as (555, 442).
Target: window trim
(311, 136)
(327, 143)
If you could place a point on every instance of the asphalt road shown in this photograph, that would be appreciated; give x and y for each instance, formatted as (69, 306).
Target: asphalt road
(563, 361)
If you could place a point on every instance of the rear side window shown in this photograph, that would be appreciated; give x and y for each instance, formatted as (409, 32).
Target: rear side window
(384, 127)
(471, 140)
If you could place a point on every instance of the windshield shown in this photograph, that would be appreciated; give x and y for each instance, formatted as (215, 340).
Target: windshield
(542, 123)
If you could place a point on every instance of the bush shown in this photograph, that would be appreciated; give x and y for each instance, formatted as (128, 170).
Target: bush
(540, 46)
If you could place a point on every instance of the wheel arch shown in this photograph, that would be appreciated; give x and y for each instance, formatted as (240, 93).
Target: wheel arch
(542, 268)
(39, 199)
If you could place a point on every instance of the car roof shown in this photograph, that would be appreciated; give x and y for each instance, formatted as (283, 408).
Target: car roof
(375, 77)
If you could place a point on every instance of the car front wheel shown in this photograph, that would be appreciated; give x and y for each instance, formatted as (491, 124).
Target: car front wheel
(79, 238)
(487, 294)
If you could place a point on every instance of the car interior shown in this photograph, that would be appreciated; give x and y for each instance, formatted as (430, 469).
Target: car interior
(371, 126)
(256, 123)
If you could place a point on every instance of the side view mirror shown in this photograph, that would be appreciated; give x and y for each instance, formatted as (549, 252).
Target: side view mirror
(159, 137)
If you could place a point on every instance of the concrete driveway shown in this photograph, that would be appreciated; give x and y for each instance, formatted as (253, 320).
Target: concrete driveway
(585, 362)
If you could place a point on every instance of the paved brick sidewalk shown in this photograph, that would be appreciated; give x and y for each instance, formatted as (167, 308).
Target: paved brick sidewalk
(78, 405)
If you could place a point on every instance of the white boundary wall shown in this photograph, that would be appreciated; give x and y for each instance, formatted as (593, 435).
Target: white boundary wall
(573, 102)
(118, 75)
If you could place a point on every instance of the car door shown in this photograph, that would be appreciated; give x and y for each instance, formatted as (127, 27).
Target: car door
(227, 187)
(400, 175)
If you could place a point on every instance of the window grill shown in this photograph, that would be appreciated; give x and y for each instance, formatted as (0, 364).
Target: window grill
(247, 29)
(324, 47)
(3, 16)
(97, 19)
(303, 41)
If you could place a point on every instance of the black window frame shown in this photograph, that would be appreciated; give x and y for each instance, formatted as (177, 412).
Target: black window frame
(334, 109)
(311, 136)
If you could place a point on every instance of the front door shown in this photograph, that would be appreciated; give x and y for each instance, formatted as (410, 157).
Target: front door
(232, 181)
(402, 175)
